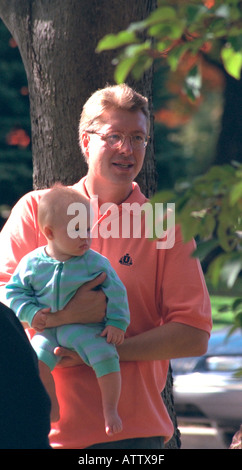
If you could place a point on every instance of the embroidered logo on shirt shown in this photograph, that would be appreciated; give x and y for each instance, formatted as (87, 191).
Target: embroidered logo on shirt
(126, 260)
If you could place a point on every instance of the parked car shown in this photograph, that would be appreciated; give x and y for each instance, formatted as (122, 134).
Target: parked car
(208, 389)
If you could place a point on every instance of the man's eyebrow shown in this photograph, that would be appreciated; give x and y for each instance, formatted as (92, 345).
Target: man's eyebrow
(110, 131)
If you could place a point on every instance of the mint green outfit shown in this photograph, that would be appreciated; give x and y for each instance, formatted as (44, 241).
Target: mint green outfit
(40, 281)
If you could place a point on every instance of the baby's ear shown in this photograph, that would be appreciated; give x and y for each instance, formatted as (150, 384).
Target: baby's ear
(48, 232)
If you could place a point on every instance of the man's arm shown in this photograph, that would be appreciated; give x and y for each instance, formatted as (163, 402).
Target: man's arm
(168, 341)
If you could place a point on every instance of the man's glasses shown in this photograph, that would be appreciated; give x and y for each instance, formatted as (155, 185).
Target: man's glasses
(117, 139)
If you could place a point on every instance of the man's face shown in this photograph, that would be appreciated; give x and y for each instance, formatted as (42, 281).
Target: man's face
(122, 165)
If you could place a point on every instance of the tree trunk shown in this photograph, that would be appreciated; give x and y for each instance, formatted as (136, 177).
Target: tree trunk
(57, 45)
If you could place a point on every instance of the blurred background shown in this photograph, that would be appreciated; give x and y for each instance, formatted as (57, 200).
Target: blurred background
(188, 135)
(15, 141)
(186, 132)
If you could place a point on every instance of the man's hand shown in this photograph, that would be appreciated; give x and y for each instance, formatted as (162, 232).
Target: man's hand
(68, 358)
(87, 306)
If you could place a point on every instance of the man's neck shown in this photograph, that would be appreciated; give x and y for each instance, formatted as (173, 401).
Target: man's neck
(107, 192)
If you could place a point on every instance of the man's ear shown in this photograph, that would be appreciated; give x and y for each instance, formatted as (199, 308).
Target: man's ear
(48, 232)
(85, 138)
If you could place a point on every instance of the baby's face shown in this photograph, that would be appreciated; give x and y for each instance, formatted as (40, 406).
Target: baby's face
(72, 235)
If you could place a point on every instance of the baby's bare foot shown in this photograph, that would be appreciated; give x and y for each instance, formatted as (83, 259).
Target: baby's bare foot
(113, 424)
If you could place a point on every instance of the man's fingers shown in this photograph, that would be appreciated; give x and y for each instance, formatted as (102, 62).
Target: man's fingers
(68, 357)
(90, 285)
(60, 351)
(46, 310)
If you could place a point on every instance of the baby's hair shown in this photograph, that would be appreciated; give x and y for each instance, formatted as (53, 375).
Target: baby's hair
(55, 201)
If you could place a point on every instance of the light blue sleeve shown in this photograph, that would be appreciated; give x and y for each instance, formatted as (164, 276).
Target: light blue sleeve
(20, 293)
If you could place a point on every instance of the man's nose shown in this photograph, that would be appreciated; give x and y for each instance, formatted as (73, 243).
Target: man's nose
(127, 146)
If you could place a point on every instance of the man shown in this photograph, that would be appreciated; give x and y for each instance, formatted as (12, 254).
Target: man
(168, 299)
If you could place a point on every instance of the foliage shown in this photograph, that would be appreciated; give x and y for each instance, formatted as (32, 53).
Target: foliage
(209, 209)
(175, 29)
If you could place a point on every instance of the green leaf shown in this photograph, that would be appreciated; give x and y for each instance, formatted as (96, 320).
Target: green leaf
(165, 30)
(137, 49)
(124, 68)
(160, 15)
(236, 42)
(137, 26)
(232, 61)
(236, 193)
(204, 248)
(230, 271)
(223, 11)
(214, 269)
(237, 304)
(163, 196)
(113, 41)
(175, 55)
(193, 12)
(190, 227)
(143, 63)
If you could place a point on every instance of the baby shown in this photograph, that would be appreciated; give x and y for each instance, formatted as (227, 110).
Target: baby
(48, 277)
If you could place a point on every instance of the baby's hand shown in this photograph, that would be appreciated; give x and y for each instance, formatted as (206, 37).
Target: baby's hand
(39, 320)
(114, 335)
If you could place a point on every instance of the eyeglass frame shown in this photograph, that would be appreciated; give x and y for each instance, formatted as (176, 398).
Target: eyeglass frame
(123, 139)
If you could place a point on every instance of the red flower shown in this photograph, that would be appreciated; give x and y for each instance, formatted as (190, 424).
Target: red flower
(209, 3)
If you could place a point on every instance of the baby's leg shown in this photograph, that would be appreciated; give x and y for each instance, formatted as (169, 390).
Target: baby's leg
(103, 358)
(44, 344)
(110, 386)
(49, 384)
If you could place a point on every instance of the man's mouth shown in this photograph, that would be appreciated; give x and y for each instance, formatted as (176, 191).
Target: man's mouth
(123, 165)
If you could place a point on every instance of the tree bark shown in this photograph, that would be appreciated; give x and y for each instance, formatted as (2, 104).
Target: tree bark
(57, 45)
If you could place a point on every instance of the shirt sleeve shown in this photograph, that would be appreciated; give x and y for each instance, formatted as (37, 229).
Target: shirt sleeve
(19, 236)
(184, 294)
(19, 291)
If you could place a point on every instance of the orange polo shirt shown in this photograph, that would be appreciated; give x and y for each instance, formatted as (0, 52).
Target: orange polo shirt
(163, 285)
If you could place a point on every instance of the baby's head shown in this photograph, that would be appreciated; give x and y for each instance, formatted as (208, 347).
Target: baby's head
(64, 219)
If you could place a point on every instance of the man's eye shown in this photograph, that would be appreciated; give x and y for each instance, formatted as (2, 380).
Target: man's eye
(138, 138)
(114, 138)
